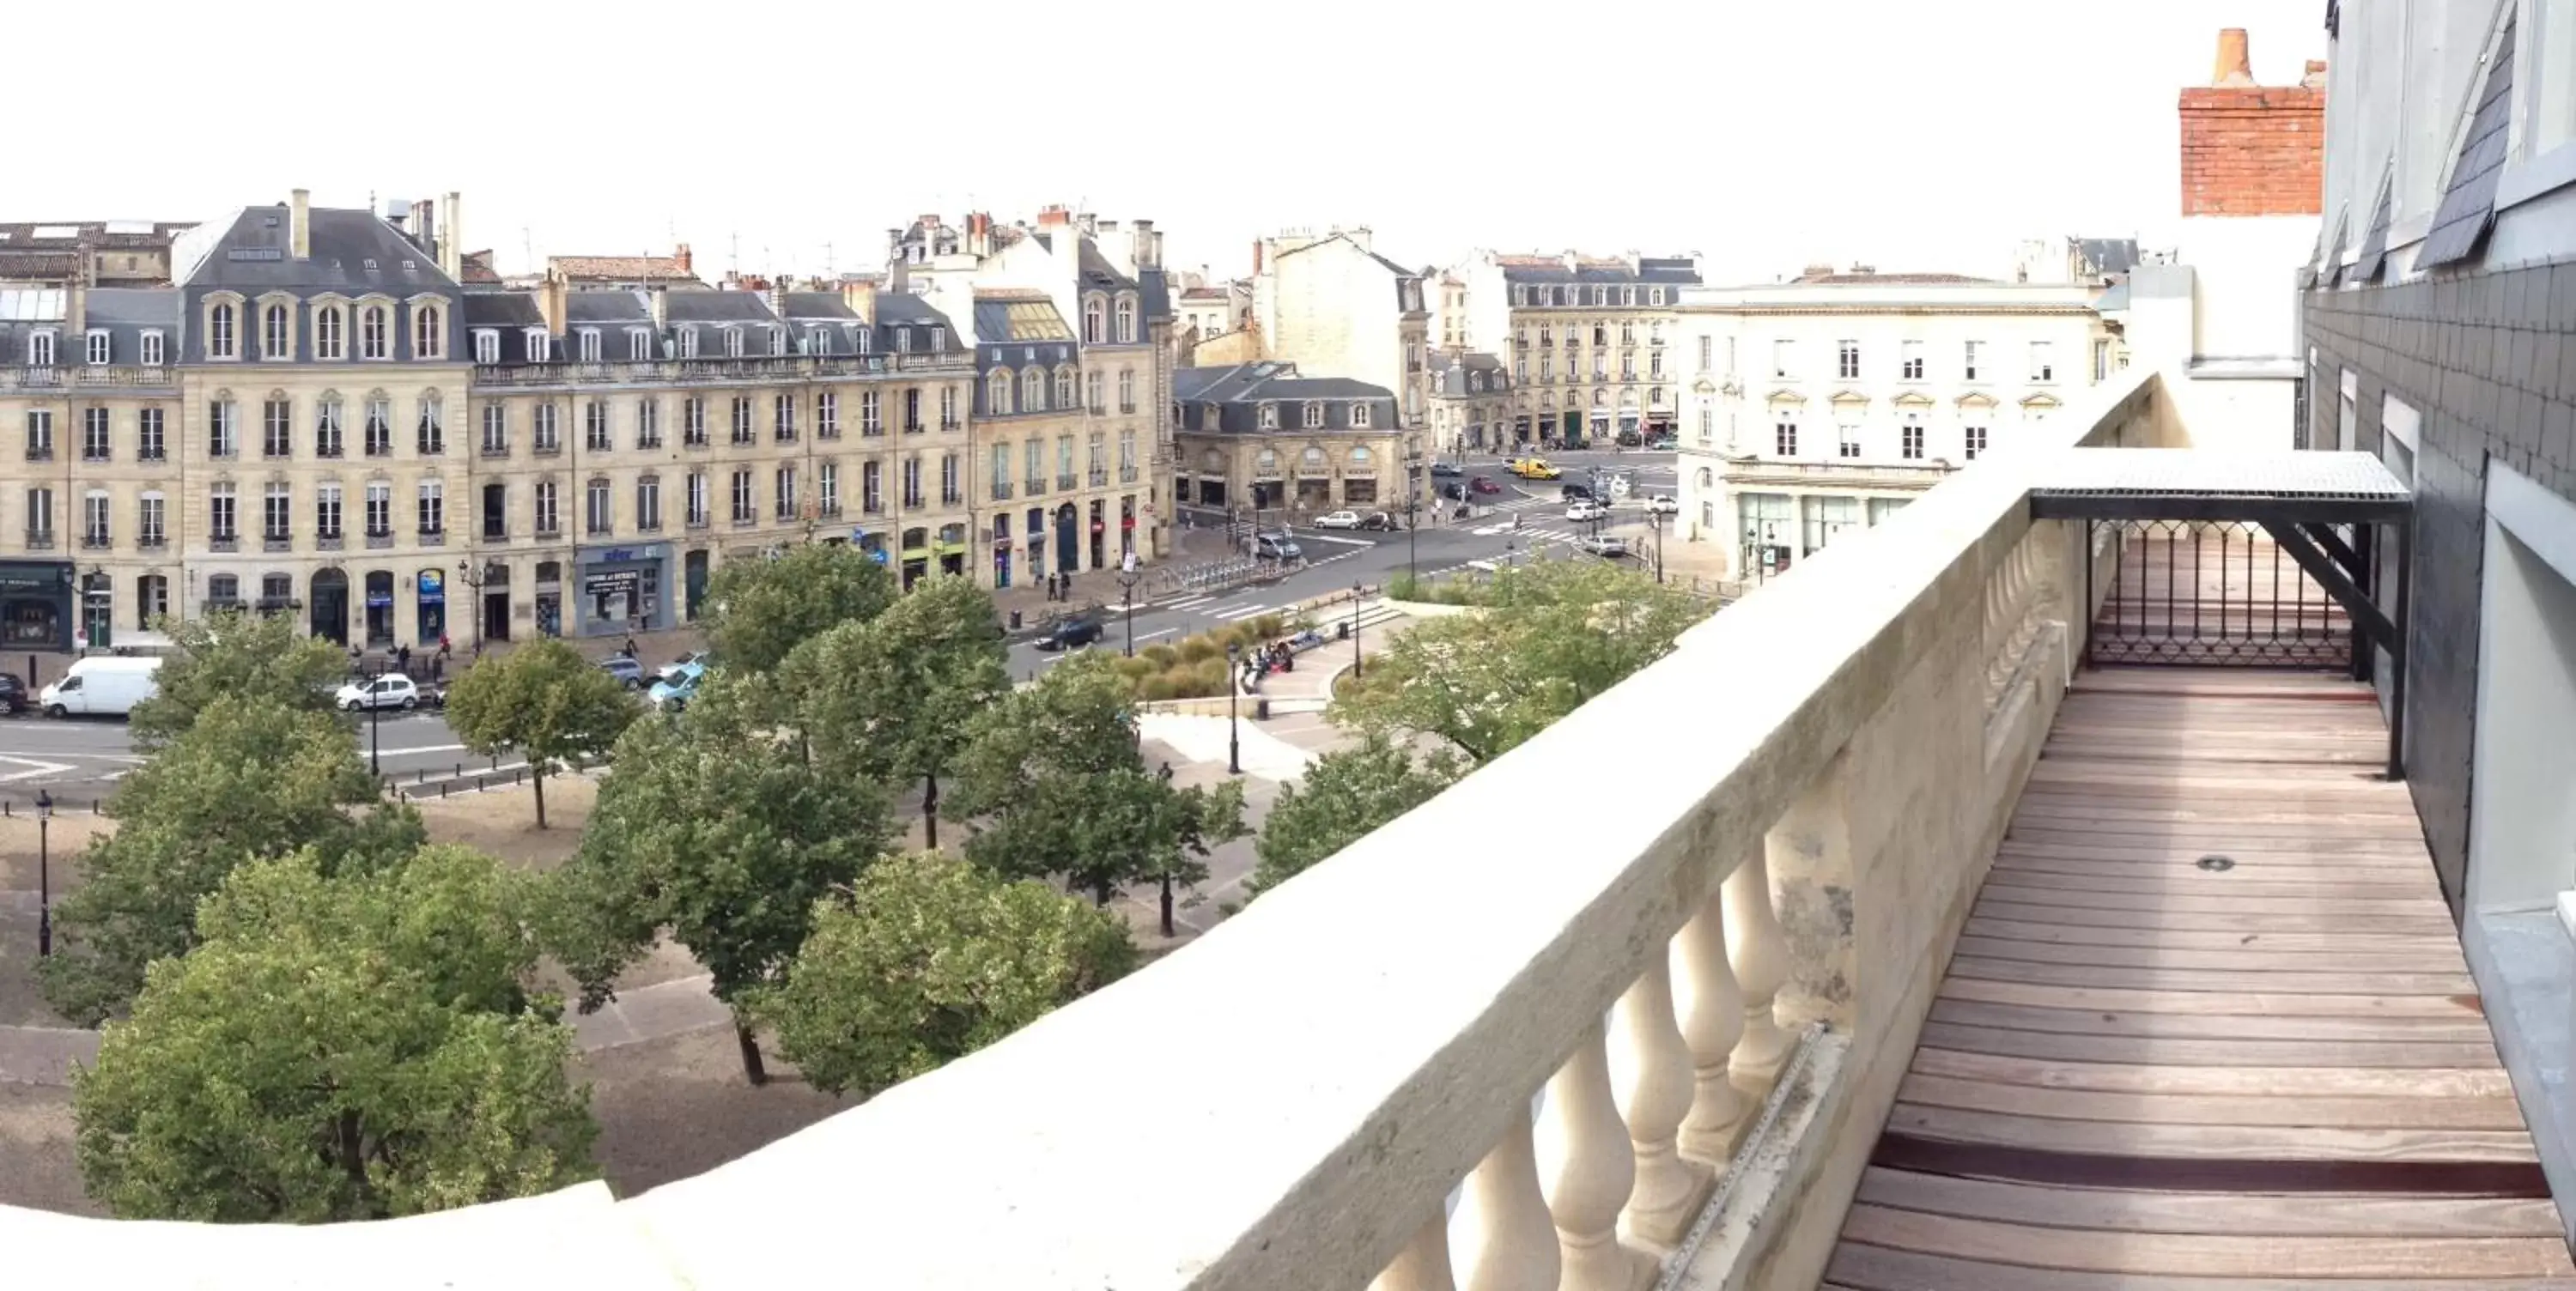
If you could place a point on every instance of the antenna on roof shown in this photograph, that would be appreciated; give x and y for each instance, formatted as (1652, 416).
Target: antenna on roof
(733, 255)
(527, 246)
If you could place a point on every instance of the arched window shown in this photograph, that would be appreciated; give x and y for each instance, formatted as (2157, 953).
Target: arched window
(1359, 414)
(272, 334)
(1212, 461)
(330, 333)
(428, 339)
(1314, 413)
(1033, 390)
(1705, 479)
(1064, 387)
(997, 393)
(1268, 462)
(1126, 320)
(371, 332)
(1311, 460)
(220, 340)
(1360, 456)
(1095, 320)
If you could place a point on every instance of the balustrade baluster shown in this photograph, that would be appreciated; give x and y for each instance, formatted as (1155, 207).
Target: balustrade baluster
(1587, 1170)
(1711, 1009)
(1655, 1098)
(1507, 1240)
(1760, 953)
(1423, 1264)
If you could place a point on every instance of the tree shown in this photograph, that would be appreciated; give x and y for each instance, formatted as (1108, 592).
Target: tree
(718, 830)
(245, 656)
(1343, 797)
(929, 959)
(1053, 774)
(760, 610)
(890, 698)
(1550, 637)
(544, 700)
(246, 779)
(339, 1048)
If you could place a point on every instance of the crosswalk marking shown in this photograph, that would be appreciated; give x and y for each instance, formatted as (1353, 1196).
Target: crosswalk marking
(1188, 602)
(1232, 612)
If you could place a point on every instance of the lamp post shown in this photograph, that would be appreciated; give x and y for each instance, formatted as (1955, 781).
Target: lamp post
(1233, 699)
(375, 722)
(1355, 631)
(1412, 522)
(1127, 576)
(1656, 519)
(465, 573)
(44, 874)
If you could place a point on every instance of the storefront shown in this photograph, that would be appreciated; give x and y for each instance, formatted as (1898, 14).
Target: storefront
(1035, 532)
(549, 598)
(952, 549)
(98, 612)
(380, 609)
(36, 604)
(916, 555)
(874, 545)
(329, 602)
(622, 589)
(1002, 551)
(429, 588)
(693, 578)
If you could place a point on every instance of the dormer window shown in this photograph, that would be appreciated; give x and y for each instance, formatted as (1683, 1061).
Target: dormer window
(733, 342)
(487, 345)
(1600, 296)
(372, 332)
(1314, 415)
(330, 333)
(98, 348)
(222, 342)
(40, 349)
(903, 342)
(997, 393)
(1655, 295)
(1126, 320)
(777, 340)
(1270, 416)
(588, 339)
(639, 345)
(273, 342)
(1520, 294)
(1475, 383)
(1095, 320)
(428, 332)
(939, 338)
(818, 340)
(536, 339)
(688, 342)
(1359, 417)
(152, 349)
(859, 339)
(1628, 296)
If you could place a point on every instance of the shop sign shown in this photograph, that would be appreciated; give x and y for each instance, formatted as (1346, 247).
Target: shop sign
(433, 586)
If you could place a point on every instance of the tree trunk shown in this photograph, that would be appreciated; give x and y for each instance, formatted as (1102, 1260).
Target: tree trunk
(752, 1070)
(930, 811)
(1101, 891)
(1167, 906)
(353, 1160)
(537, 773)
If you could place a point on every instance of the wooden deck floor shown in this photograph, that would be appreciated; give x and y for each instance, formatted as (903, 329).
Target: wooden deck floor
(2147, 1074)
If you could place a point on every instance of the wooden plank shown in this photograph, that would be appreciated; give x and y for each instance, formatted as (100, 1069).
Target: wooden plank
(2210, 1053)
(1862, 1267)
(2022, 1017)
(2215, 896)
(2360, 815)
(2248, 1002)
(2186, 850)
(2249, 959)
(2427, 923)
(2500, 1114)
(2268, 866)
(2487, 1081)
(2174, 979)
(2204, 1212)
(2209, 1142)
(2246, 880)
(2209, 1254)
(2250, 833)
(2199, 939)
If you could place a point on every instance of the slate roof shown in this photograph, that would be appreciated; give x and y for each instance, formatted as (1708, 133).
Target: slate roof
(2108, 255)
(2468, 206)
(1096, 271)
(1889, 279)
(1155, 288)
(1449, 370)
(1204, 293)
(817, 324)
(1234, 394)
(718, 307)
(124, 313)
(605, 307)
(1650, 269)
(502, 309)
(350, 251)
(820, 305)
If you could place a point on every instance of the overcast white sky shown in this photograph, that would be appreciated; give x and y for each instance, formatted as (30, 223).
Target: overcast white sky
(1911, 134)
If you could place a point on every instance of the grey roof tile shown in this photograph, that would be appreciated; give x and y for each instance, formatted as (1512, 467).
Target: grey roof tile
(2460, 223)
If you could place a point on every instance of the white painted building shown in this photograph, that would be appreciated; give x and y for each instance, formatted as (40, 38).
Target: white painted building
(1827, 402)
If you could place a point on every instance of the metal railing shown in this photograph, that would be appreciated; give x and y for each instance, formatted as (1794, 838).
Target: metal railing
(2206, 592)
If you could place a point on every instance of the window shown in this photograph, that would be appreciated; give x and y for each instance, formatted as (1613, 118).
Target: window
(1314, 414)
(1036, 458)
(428, 335)
(277, 427)
(743, 433)
(594, 426)
(371, 332)
(539, 349)
(782, 418)
(948, 407)
(431, 436)
(1099, 459)
(331, 340)
(827, 488)
(1654, 295)
(99, 349)
(1912, 445)
(1359, 414)
(272, 334)
(547, 436)
(648, 422)
(997, 393)
(827, 415)
(952, 490)
(1126, 320)
(1127, 457)
(223, 589)
(549, 514)
(94, 445)
(733, 342)
(595, 508)
(1064, 461)
(433, 507)
(1033, 391)
(223, 428)
(40, 517)
(149, 442)
(1064, 388)
(1001, 470)
(1969, 364)
(1976, 441)
(1095, 321)
(872, 412)
(2043, 363)
(698, 503)
(693, 421)
(1847, 360)
(1600, 296)
(380, 510)
(1270, 416)
(96, 526)
(1783, 358)
(220, 515)
(648, 504)
(688, 342)
(487, 346)
(1784, 438)
(872, 487)
(1910, 366)
(277, 515)
(2101, 360)
(588, 339)
(326, 513)
(639, 345)
(1094, 392)
(152, 521)
(911, 482)
(742, 512)
(380, 427)
(152, 351)
(777, 340)
(221, 343)
(1847, 440)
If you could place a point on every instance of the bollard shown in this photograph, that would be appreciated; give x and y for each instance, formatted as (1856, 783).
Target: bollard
(480, 784)
(460, 770)
(421, 776)
(442, 787)
(93, 807)
(519, 776)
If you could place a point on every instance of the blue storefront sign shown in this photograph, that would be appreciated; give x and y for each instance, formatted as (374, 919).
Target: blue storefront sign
(622, 589)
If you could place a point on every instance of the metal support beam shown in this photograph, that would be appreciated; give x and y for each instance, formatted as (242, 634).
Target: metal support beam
(2353, 562)
(2330, 576)
(2193, 506)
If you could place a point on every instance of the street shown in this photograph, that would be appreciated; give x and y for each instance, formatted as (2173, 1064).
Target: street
(79, 759)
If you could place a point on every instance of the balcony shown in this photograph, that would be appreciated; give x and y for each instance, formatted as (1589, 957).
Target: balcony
(1001, 490)
(40, 540)
(87, 378)
(741, 371)
(1950, 959)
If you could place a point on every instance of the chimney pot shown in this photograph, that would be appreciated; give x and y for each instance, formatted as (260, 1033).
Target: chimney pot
(2314, 76)
(300, 225)
(2235, 67)
(680, 257)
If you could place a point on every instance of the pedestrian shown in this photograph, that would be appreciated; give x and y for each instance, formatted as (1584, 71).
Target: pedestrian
(630, 645)
(402, 658)
(445, 647)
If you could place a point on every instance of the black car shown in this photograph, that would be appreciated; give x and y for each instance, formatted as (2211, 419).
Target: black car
(1456, 492)
(13, 694)
(1446, 469)
(1073, 631)
(1577, 493)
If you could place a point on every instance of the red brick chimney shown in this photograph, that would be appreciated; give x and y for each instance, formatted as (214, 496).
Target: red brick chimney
(1256, 257)
(680, 256)
(1054, 217)
(2250, 149)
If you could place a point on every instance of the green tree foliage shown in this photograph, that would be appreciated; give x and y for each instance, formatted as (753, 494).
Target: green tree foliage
(245, 656)
(246, 779)
(1055, 781)
(543, 700)
(928, 959)
(761, 610)
(1550, 637)
(721, 832)
(338, 1048)
(1344, 796)
(890, 698)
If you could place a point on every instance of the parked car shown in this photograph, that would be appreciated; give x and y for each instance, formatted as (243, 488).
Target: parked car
(1664, 504)
(1586, 511)
(1663, 444)
(1381, 520)
(1338, 520)
(672, 669)
(109, 686)
(1276, 546)
(1602, 545)
(628, 671)
(1482, 485)
(393, 690)
(1573, 492)
(679, 685)
(1447, 469)
(1532, 468)
(1629, 439)
(13, 694)
(1073, 631)
(1454, 492)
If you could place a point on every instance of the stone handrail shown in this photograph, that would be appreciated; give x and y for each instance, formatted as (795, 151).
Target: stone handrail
(1632, 1040)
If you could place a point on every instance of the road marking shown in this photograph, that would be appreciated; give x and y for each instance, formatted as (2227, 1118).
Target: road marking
(425, 748)
(34, 769)
(1232, 612)
(1161, 632)
(1347, 542)
(1187, 602)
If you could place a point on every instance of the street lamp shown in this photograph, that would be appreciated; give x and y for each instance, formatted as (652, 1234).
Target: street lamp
(1233, 698)
(375, 723)
(44, 875)
(1127, 576)
(1656, 519)
(1412, 522)
(1355, 631)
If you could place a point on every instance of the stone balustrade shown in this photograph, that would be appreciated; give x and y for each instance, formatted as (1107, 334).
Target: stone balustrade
(1495, 1046)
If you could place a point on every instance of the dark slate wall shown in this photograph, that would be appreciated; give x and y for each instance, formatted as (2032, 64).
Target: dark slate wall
(2489, 359)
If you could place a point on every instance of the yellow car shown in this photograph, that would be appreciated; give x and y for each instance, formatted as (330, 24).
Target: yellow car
(1534, 468)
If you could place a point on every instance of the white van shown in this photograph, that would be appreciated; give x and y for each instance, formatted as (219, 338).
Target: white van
(102, 686)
